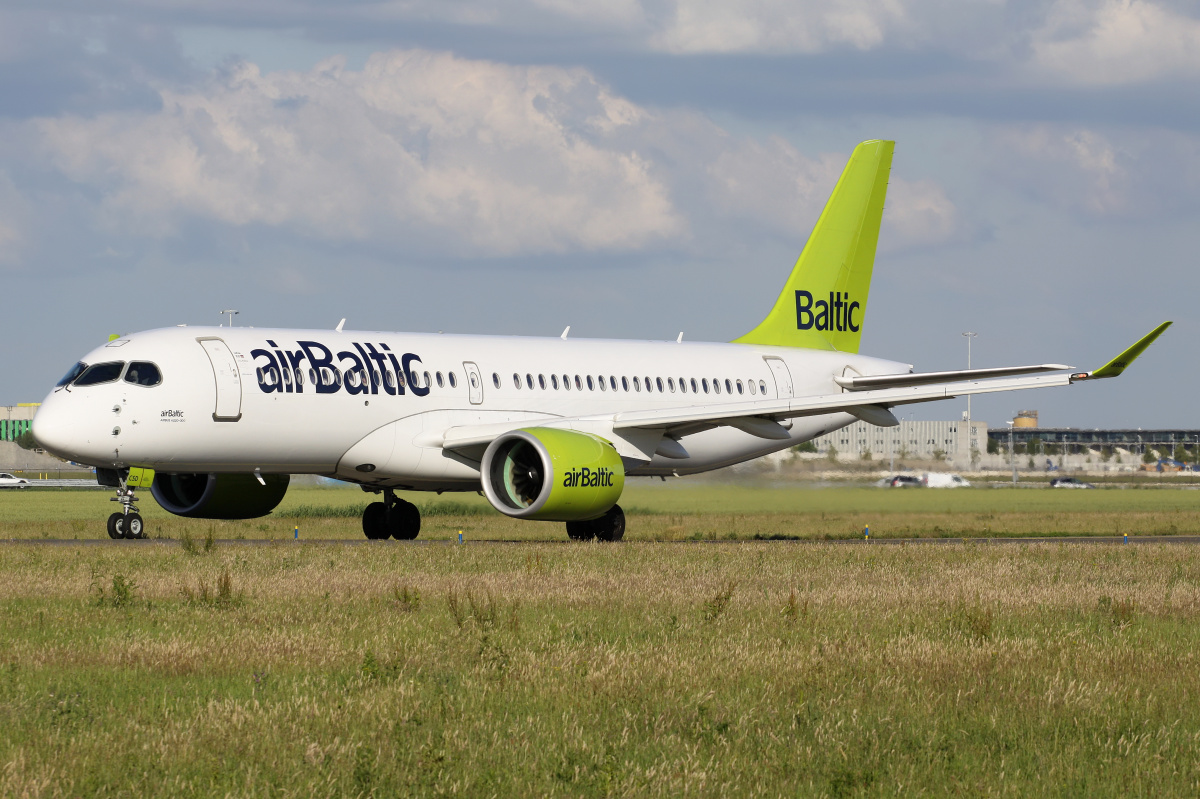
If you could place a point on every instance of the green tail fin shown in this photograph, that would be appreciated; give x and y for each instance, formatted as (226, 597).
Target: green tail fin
(825, 299)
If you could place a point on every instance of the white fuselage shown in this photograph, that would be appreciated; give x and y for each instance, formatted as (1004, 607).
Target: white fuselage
(262, 409)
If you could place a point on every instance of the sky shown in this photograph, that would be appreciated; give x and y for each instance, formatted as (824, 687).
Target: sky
(632, 168)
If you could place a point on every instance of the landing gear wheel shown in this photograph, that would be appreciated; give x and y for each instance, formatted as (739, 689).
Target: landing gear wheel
(405, 521)
(374, 521)
(580, 531)
(134, 528)
(610, 526)
(116, 525)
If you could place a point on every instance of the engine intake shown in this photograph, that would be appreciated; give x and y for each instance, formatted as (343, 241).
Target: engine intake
(552, 475)
(219, 496)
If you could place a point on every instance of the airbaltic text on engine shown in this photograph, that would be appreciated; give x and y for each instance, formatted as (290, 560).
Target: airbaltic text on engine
(836, 314)
(277, 373)
(588, 478)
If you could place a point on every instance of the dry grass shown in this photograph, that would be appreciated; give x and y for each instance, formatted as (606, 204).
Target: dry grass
(588, 670)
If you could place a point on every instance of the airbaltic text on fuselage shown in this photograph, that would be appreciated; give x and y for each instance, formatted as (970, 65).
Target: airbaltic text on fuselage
(836, 314)
(588, 478)
(362, 369)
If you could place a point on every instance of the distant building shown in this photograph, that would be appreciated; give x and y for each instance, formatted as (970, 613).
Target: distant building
(1077, 440)
(922, 440)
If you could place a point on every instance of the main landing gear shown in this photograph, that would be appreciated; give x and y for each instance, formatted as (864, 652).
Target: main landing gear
(127, 522)
(392, 518)
(609, 527)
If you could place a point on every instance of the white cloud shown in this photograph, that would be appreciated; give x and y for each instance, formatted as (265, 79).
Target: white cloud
(1123, 173)
(1117, 42)
(426, 153)
(444, 153)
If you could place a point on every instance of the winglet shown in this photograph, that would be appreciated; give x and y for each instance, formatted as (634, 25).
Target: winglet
(1122, 361)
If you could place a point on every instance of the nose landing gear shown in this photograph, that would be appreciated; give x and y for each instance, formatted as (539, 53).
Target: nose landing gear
(127, 522)
(392, 518)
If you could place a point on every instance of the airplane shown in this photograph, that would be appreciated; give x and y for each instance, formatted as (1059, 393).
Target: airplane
(215, 420)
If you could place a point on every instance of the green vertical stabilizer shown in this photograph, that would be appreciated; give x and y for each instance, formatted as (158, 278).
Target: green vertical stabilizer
(825, 300)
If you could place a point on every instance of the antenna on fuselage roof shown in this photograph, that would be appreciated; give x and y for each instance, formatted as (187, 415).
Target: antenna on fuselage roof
(566, 330)
(340, 324)
(680, 339)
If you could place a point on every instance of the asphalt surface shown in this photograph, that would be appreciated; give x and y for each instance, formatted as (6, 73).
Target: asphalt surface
(167, 542)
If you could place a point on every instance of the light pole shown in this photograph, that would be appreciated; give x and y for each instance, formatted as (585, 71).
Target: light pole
(231, 313)
(1011, 456)
(968, 336)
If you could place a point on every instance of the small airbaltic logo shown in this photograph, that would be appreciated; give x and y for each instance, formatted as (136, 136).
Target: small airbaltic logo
(171, 415)
(836, 314)
(588, 478)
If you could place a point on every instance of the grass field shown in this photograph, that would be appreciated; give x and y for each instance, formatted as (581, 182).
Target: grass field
(648, 668)
(676, 510)
(642, 669)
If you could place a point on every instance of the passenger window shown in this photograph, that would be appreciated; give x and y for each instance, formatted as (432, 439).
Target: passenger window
(516, 380)
(74, 372)
(658, 382)
(612, 381)
(704, 382)
(671, 384)
(439, 379)
(739, 385)
(428, 381)
(578, 383)
(751, 386)
(603, 385)
(389, 379)
(312, 376)
(400, 378)
(591, 383)
(144, 373)
(716, 386)
(529, 380)
(694, 391)
(300, 377)
(649, 385)
(625, 383)
(454, 380)
(554, 381)
(542, 382)
(637, 384)
(100, 373)
(495, 380)
(682, 386)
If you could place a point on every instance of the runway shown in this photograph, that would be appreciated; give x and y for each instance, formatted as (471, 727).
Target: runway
(252, 542)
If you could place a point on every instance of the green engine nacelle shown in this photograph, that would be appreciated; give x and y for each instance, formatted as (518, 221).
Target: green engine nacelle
(552, 475)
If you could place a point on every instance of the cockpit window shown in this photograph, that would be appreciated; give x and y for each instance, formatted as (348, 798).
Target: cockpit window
(143, 373)
(75, 372)
(100, 373)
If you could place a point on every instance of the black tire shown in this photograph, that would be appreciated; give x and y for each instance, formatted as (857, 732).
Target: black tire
(116, 526)
(581, 531)
(406, 521)
(134, 527)
(610, 526)
(374, 521)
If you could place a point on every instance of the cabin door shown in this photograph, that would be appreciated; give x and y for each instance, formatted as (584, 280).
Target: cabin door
(783, 377)
(228, 381)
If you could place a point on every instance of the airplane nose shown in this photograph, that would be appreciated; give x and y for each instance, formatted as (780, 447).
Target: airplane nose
(52, 428)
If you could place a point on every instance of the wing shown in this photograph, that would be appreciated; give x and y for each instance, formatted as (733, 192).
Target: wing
(869, 398)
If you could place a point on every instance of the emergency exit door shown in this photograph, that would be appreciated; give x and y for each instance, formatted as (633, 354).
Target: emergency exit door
(783, 377)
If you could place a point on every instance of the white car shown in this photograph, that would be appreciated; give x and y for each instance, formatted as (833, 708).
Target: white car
(942, 480)
(12, 481)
